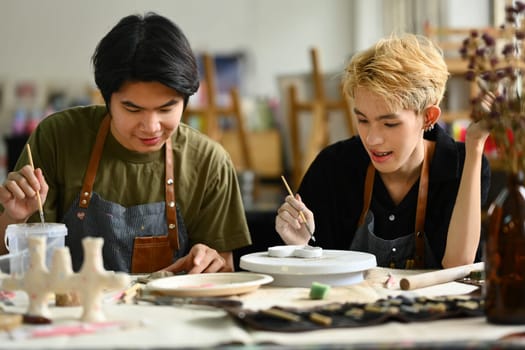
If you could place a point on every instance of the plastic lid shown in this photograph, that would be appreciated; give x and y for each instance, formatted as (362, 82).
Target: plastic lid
(37, 228)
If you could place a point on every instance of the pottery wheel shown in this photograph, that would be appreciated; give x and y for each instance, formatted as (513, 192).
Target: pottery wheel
(334, 267)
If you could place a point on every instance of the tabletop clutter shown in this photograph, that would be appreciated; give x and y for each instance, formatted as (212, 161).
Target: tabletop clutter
(90, 283)
(40, 266)
(42, 278)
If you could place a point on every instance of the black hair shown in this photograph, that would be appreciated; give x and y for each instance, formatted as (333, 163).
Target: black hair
(145, 48)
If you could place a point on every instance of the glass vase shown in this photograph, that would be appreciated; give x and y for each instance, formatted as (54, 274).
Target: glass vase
(504, 288)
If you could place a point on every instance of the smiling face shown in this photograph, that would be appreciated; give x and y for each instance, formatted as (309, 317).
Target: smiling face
(393, 139)
(144, 115)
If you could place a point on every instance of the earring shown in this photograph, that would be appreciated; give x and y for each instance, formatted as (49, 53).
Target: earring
(429, 127)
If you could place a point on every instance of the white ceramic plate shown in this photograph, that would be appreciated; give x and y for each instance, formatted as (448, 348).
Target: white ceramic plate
(209, 284)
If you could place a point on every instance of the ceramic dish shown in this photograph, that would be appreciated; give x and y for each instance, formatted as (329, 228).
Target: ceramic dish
(209, 284)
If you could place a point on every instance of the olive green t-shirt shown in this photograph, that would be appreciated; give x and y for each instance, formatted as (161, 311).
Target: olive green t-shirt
(206, 187)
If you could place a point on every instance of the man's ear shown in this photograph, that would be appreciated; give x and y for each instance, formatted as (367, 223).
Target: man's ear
(432, 114)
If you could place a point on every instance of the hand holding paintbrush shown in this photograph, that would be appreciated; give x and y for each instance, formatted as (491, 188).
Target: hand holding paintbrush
(301, 214)
(40, 208)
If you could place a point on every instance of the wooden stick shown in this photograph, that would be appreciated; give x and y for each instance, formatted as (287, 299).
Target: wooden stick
(40, 209)
(437, 277)
(301, 214)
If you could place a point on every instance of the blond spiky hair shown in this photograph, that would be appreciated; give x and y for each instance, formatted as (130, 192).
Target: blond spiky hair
(408, 71)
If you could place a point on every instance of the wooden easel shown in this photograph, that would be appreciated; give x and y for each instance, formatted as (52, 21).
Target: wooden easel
(320, 107)
(211, 112)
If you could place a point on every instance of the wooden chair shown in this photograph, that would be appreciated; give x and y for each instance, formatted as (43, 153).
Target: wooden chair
(320, 107)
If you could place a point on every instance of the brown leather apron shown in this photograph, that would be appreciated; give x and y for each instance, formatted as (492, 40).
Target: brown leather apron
(149, 252)
(378, 246)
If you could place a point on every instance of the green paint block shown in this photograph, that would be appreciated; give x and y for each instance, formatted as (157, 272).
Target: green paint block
(477, 275)
(319, 290)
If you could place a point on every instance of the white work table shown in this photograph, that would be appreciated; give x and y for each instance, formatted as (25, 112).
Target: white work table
(154, 327)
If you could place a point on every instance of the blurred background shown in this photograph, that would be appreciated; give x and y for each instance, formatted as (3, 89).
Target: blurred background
(259, 47)
(270, 72)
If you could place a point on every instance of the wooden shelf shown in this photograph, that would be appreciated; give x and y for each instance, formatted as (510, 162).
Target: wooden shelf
(450, 40)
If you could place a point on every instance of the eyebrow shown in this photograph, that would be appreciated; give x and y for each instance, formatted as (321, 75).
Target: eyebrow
(381, 117)
(132, 105)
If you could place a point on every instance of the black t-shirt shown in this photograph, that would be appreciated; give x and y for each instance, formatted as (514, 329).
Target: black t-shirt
(334, 183)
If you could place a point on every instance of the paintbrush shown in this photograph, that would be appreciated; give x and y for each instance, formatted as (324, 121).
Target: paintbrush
(301, 214)
(40, 209)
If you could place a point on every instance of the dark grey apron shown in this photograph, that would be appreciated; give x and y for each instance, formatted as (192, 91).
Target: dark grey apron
(409, 251)
(121, 227)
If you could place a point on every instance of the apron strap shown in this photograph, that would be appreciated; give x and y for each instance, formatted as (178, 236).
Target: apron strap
(89, 178)
(422, 197)
(171, 208)
(419, 257)
(367, 194)
(91, 172)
